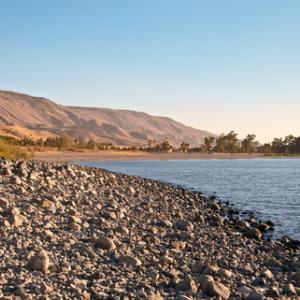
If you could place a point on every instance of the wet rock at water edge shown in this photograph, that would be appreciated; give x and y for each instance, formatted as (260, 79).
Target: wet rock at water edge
(253, 233)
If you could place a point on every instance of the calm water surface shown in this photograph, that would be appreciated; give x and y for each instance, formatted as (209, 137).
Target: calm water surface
(268, 187)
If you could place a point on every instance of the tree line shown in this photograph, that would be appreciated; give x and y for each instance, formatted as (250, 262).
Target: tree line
(288, 145)
(225, 143)
(60, 142)
(230, 143)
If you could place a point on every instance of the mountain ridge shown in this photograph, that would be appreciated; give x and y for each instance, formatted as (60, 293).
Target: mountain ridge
(119, 126)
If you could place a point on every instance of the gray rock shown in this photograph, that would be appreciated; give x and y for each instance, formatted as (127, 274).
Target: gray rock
(254, 295)
(224, 274)
(289, 289)
(244, 291)
(204, 281)
(39, 262)
(296, 277)
(218, 289)
(4, 203)
(187, 284)
(130, 260)
(105, 243)
(16, 180)
(272, 292)
(253, 233)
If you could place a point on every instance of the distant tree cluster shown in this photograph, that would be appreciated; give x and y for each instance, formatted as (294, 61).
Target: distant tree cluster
(61, 143)
(229, 143)
(287, 146)
(165, 146)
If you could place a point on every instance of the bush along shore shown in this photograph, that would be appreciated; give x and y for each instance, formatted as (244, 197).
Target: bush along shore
(70, 232)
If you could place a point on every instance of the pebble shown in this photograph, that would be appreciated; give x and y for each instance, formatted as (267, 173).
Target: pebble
(187, 284)
(254, 295)
(296, 277)
(105, 243)
(273, 292)
(71, 232)
(224, 274)
(16, 180)
(290, 289)
(218, 289)
(253, 233)
(4, 203)
(130, 260)
(205, 281)
(39, 262)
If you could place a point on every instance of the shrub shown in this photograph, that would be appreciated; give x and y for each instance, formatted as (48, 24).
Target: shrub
(14, 152)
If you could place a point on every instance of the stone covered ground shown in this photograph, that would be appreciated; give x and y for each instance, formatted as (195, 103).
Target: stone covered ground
(69, 232)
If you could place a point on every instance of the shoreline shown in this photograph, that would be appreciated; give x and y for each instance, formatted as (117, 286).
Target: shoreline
(70, 156)
(94, 234)
(267, 232)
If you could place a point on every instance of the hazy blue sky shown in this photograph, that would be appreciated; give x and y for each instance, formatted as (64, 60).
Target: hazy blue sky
(215, 65)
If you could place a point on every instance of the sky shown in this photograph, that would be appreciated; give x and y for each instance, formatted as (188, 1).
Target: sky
(214, 65)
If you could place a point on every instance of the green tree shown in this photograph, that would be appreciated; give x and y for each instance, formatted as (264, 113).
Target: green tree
(227, 143)
(90, 145)
(289, 144)
(166, 146)
(65, 142)
(220, 144)
(208, 143)
(249, 144)
(278, 145)
(151, 143)
(232, 142)
(266, 148)
(184, 147)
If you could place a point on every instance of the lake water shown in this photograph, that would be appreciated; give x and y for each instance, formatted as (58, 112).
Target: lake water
(268, 187)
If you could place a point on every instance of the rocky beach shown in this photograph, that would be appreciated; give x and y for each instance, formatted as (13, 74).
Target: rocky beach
(70, 232)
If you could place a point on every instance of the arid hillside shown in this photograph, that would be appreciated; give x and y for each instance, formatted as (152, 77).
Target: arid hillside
(121, 127)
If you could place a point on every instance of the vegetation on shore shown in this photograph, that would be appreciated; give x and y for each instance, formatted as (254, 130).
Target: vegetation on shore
(230, 143)
(290, 145)
(13, 152)
(13, 148)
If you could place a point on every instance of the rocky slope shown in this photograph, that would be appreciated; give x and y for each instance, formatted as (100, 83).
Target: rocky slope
(118, 126)
(69, 232)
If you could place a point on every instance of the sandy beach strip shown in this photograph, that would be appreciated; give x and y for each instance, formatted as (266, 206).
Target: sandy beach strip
(69, 156)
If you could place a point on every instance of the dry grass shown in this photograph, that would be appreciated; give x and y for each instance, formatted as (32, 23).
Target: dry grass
(19, 132)
(14, 152)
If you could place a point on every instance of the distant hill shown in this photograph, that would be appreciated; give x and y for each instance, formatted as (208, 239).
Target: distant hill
(43, 117)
